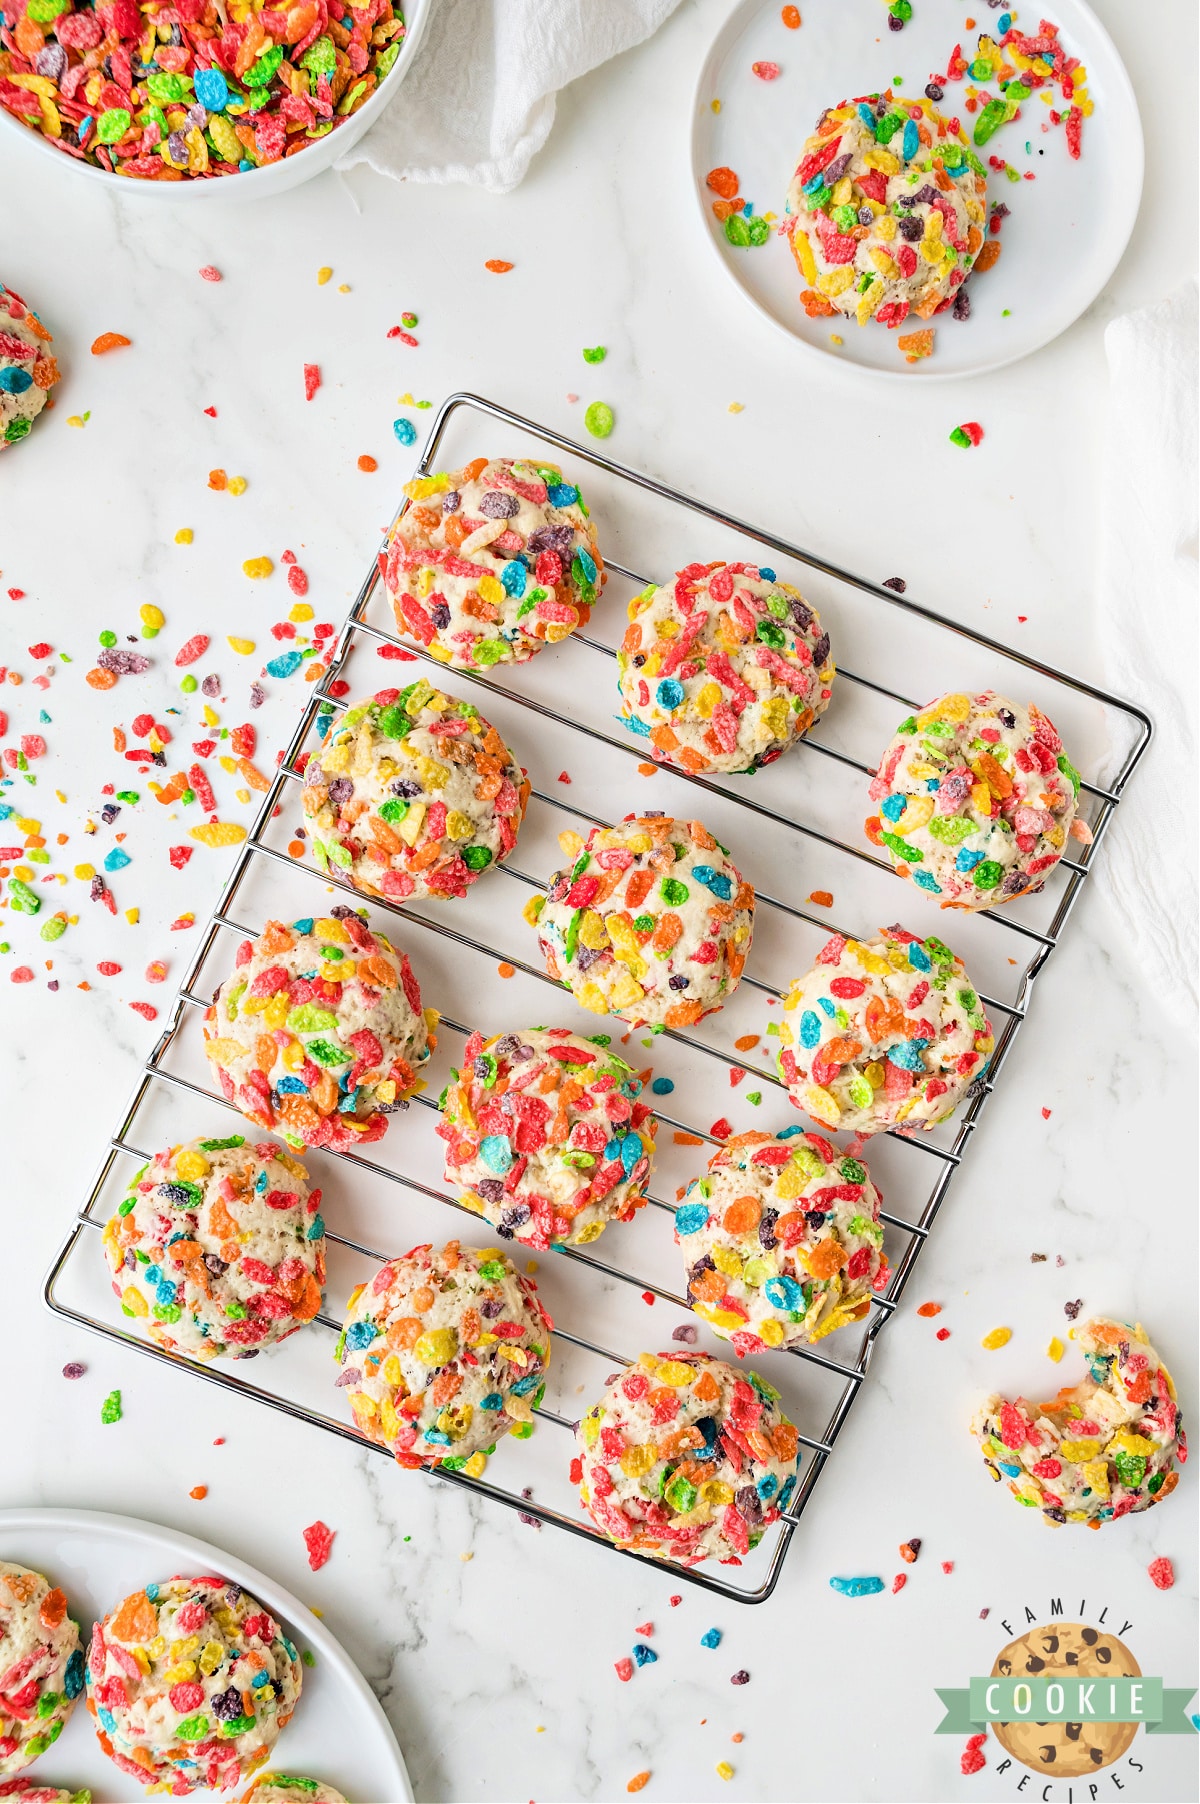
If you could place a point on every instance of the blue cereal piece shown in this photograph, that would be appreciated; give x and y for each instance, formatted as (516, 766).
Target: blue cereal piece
(662, 1086)
(711, 1638)
(716, 881)
(691, 1217)
(285, 665)
(643, 1655)
(669, 693)
(856, 1587)
(405, 431)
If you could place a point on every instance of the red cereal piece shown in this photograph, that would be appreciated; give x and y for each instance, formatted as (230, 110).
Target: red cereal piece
(107, 968)
(195, 648)
(947, 1566)
(973, 1760)
(623, 1669)
(179, 855)
(766, 71)
(644, 1628)
(397, 653)
(1162, 1573)
(203, 788)
(943, 1334)
(312, 380)
(297, 580)
(318, 1539)
(648, 1297)
(41, 650)
(242, 741)
(146, 1010)
(210, 274)
(22, 974)
(899, 1582)
(721, 1129)
(675, 1600)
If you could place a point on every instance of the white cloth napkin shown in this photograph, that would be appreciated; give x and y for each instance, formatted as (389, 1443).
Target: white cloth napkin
(1148, 620)
(478, 102)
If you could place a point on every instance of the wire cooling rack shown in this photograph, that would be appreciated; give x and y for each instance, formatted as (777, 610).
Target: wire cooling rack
(794, 831)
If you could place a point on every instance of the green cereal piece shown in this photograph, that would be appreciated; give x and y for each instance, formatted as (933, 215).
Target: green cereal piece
(110, 1409)
(596, 354)
(599, 419)
(22, 898)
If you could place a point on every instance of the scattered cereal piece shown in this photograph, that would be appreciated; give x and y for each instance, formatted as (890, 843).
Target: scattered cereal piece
(623, 1669)
(821, 898)
(973, 1760)
(324, 274)
(599, 419)
(967, 435)
(930, 1309)
(711, 1638)
(910, 1549)
(916, 345)
(791, 17)
(741, 1677)
(643, 1655)
(210, 274)
(199, 1492)
(943, 1334)
(1162, 1572)
(110, 1409)
(367, 464)
(219, 833)
(766, 71)
(184, 536)
(109, 341)
(312, 380)
(596, 354)
(857, 1587)
(498, 266)
(74, 1368)
(899, 1582)
(1055, 1350)
(638, 1781)
(724, 1770)
(257, 567)
(318, 1539)
(947, 1566)
(999, 1337)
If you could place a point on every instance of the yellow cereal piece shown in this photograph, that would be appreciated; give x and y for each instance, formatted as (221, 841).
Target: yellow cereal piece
(1095, 1475)
(152, 618)
(300, 612)
(243, 647)
(822, 1105)
(491, 590)
(133, 1300)
(637, 1460)
(808, 264)
(476, 1465)
(836, 281)
(257, 567)
(724, 1770)
(714, 1494)
(75, 419)
(999, 1337)
(1080, 1451)
(237, 486)
(1055, 1350)
(674, 1372)
(219, 833)
(191, 1165)
(324, 274)
(85, 872)
(133, 916)
(737, 407)
(436, 1347)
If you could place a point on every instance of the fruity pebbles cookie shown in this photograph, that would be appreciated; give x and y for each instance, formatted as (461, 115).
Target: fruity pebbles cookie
(1100, 1449)
(888, 1034)
(413, 794)
(886, 211)
(27, 369)
(190, 1682)
(219, 1247)
(41, 1666)
(976, 799)
(443, 1352)
(685, 1459)
(652, 922)
(493, 561)
(287, 1788)
(547, 1136)
(30, 1791)
(724, 668)
(319, 1031)
(782, 1241)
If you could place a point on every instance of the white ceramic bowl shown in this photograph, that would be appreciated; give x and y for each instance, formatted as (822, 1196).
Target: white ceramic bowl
(250, 184)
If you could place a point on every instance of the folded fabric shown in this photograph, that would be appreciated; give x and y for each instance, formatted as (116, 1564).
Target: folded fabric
(478, 102)
(1148, 627)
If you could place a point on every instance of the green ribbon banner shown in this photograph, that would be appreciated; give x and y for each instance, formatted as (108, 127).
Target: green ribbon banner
(1066, 1698)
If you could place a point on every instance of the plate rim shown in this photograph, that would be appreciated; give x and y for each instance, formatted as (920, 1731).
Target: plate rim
(213, 1559)
(828, 358)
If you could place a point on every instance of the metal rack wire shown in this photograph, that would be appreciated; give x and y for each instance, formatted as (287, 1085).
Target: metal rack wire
(1037, 938)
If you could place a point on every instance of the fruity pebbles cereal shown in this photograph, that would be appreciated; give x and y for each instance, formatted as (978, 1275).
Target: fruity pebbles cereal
(547, 1135)
(491, 562)
(201, 91)
(888, 1034)
(1101, 1449)
(652, 922)
(444, 1351)
(319, 1031)
(41, 1666)
(190, 1682)
(723, 668)
(976, 798)
(413, 794)
(219, 1247)
(885, 213)
(685, 1459)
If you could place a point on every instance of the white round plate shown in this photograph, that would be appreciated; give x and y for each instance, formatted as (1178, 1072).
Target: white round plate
(1066, 231)
(339, 1733)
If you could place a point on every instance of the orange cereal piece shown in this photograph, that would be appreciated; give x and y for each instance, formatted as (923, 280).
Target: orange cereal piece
(722, 181)
(498, 266)
(101, 679)
(930, 1309)
(134, 1621)
(199, 1492)
(367, 463)
(916, 345)
(989, 253)
(821, 898)
(791, 18)
(217, 479)
(746, 1042)
(815, 305)
(109, 341)
(505, 969)
(638, 1781)
(53, 1608)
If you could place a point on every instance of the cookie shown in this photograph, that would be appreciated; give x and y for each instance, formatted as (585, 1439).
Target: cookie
(286, 1788)
(413, 794)
(491, 562)
(444, 1351)
(1065, 1750)
(781, 1240)
(1101, 1449)
(190, 1682)
(886, 211)
(652, 922)
(219, 1248)
(41, 1666)
(976, 799)
(724, 668)
(685, 1459)
(886, 1034)
(27, 368)
(31, 1791)
(547, 1136)
(319, 1031)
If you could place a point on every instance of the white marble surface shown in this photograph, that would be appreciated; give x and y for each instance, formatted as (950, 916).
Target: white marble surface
(492, 1647)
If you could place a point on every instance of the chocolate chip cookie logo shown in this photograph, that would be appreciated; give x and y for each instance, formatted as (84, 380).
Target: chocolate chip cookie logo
(1065, 1700)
